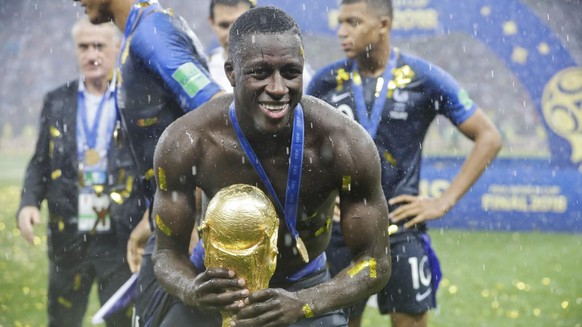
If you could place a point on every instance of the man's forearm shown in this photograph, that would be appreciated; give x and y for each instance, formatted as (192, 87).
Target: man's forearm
(365, 277)
(174, 271)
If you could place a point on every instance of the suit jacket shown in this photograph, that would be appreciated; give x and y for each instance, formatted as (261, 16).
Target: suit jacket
(53, 175)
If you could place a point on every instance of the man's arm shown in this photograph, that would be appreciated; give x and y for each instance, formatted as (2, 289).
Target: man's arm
(364, 225)
(174, 214)
(36, 177)
(176, 60)
(364, 219)
(487, 143)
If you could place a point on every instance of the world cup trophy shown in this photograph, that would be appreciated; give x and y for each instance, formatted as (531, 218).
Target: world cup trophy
(239, 233)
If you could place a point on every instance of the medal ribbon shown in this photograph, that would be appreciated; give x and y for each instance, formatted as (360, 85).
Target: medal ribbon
(295, 169)
(90, 133)
(371, 123)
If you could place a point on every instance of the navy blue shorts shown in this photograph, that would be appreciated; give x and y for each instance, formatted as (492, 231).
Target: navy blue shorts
(410, 288)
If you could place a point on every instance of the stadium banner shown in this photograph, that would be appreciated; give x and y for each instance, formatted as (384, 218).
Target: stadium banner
(536, 191)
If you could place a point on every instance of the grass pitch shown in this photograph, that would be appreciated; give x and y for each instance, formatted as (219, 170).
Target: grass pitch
(490, 278)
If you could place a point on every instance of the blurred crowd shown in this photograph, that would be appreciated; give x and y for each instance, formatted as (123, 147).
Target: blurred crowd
(36, 53)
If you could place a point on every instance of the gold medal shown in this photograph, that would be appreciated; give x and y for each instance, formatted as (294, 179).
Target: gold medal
(302, 249)
(91, 157)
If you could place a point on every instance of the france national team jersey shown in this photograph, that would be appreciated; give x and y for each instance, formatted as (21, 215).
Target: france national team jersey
(162, 76)
(418, 92)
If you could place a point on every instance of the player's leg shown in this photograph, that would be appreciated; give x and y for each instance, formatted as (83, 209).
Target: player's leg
(68, 293)
(112, 273)
(409, 293)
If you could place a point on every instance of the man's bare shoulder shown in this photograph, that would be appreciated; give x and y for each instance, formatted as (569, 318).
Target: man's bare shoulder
(186, 132)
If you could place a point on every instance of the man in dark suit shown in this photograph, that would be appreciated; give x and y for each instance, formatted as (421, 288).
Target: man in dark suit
(79, 161)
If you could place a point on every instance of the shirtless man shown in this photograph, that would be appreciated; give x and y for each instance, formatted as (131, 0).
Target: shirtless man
(203, 149)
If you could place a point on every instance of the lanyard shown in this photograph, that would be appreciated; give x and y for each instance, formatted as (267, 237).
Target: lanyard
(371, 123)
(90, 133)
(293, 178)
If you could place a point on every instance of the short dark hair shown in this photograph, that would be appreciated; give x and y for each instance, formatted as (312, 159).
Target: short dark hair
(260, 20)
(383, 6)
(230, 3)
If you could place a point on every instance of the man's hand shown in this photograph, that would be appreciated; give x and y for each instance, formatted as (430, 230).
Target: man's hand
(28, 217)
(270, 307)
(137, 241)
(216, 289)
(419, 208)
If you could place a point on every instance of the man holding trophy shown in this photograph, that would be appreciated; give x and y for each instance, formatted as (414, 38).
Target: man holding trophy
(273, 163)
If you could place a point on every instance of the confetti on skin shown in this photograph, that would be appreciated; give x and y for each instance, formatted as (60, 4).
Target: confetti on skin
(307, 311)
(162, 226)
(356, 269)
(162, 179)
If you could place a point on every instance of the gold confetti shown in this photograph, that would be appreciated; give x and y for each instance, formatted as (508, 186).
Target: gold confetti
(324, 228)
(513, 314)
(388, 156)
(162, 179)
(546, 281)
(307, 311)
(536, 312)
(162, 226)
(565, 305)
(341, 77)
(363, 265)
(149, 174)
(392, 229)
(346, 183)
(56, 174)
(54, 132)
(64, 302)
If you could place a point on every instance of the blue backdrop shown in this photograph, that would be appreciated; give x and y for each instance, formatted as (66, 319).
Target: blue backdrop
(513, 194)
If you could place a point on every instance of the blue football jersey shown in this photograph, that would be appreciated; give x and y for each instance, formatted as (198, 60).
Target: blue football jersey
(417, 92)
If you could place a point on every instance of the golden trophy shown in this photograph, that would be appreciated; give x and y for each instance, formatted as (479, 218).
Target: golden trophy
(239, 233)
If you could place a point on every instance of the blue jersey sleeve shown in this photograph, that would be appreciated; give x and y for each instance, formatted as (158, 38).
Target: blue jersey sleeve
(163, 43)
(326, 79)
(453, 101)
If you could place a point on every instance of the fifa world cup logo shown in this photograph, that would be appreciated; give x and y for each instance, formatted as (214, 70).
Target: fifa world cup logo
(240, 233)
(562, 108)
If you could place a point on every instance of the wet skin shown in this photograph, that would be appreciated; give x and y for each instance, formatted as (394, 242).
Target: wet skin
(201, 149)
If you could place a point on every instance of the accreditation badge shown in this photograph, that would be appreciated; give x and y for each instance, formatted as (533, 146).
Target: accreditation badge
(93, 211)
(94, 177)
